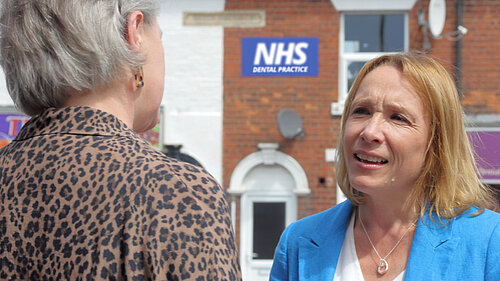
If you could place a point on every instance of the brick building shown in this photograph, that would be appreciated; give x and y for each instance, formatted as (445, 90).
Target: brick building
(226, 119)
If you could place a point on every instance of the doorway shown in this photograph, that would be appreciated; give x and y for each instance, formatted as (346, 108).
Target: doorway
(267, 209)
(269, 182)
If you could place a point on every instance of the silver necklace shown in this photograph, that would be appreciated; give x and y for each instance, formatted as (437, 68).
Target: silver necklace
(383, 265)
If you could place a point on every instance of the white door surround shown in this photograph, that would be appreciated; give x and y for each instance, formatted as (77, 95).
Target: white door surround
(268, 155)
(268, 182)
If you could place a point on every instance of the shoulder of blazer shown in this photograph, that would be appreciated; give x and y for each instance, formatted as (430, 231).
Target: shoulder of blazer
(322, 225)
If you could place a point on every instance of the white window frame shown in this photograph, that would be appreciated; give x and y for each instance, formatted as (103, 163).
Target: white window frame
(345, 58)
(248, 262)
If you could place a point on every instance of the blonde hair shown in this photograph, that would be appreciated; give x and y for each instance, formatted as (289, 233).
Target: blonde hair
(448, 184)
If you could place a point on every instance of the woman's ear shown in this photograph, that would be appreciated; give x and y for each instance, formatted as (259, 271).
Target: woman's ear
(134, 29)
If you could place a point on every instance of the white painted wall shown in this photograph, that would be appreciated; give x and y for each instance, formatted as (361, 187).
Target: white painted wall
(193, 85)
(5, 99)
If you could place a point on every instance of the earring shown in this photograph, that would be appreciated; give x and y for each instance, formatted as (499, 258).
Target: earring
(139, 82)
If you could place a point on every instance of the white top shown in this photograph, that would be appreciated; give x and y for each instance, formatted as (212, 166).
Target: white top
(348, 267)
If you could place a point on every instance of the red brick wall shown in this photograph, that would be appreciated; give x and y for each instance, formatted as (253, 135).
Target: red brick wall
(480, 51)
(251, 104)
(481, 57)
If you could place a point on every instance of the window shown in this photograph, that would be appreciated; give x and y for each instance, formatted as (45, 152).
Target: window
(364, 36)
(265, 213)
(269, 222)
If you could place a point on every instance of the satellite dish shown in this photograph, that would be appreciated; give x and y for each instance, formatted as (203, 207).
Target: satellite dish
(437, 17)
(290, 124)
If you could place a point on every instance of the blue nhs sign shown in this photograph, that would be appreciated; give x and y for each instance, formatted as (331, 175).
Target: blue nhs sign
(279, 56)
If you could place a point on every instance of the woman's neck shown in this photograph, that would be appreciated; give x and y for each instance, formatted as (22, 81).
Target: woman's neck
(387, 214)
(114, 98)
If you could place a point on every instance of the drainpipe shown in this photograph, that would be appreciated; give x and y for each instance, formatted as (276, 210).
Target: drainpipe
(459, 49)
(424, 26)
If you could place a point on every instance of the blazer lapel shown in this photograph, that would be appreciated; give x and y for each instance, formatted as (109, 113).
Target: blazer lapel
(431, 251)
(319, 253)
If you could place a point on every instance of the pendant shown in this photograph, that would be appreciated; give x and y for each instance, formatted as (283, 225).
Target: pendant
(383, 266)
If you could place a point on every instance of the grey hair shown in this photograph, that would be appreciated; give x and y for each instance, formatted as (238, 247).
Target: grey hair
(50, 47)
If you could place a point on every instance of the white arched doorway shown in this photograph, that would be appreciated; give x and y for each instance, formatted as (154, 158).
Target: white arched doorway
(268, 182)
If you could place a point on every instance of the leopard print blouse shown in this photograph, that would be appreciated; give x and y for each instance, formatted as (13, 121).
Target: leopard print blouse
(83, 197)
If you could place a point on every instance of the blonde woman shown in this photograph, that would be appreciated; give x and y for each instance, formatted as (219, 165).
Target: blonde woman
(416, 209)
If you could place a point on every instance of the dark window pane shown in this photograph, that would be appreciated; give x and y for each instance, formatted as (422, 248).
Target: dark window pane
(268, 223)
(374, 33)
(353, 69)
(394, 33)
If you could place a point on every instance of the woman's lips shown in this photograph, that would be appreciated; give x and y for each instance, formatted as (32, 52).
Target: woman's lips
(369, 159)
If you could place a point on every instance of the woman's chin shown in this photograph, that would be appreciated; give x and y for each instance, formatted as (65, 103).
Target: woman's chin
(365, 184)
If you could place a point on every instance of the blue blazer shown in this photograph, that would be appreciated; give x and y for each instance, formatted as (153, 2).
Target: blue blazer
(467, 248)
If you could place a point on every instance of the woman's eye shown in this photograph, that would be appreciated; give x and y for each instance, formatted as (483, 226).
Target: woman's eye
(360, 110)
(400, 118)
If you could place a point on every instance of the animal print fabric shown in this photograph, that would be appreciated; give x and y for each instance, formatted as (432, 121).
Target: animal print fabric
(83, 197)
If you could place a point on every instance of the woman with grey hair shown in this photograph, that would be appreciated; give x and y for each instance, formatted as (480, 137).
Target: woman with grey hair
(83, 197)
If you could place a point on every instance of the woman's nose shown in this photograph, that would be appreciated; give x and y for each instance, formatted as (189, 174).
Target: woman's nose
(372, 132)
